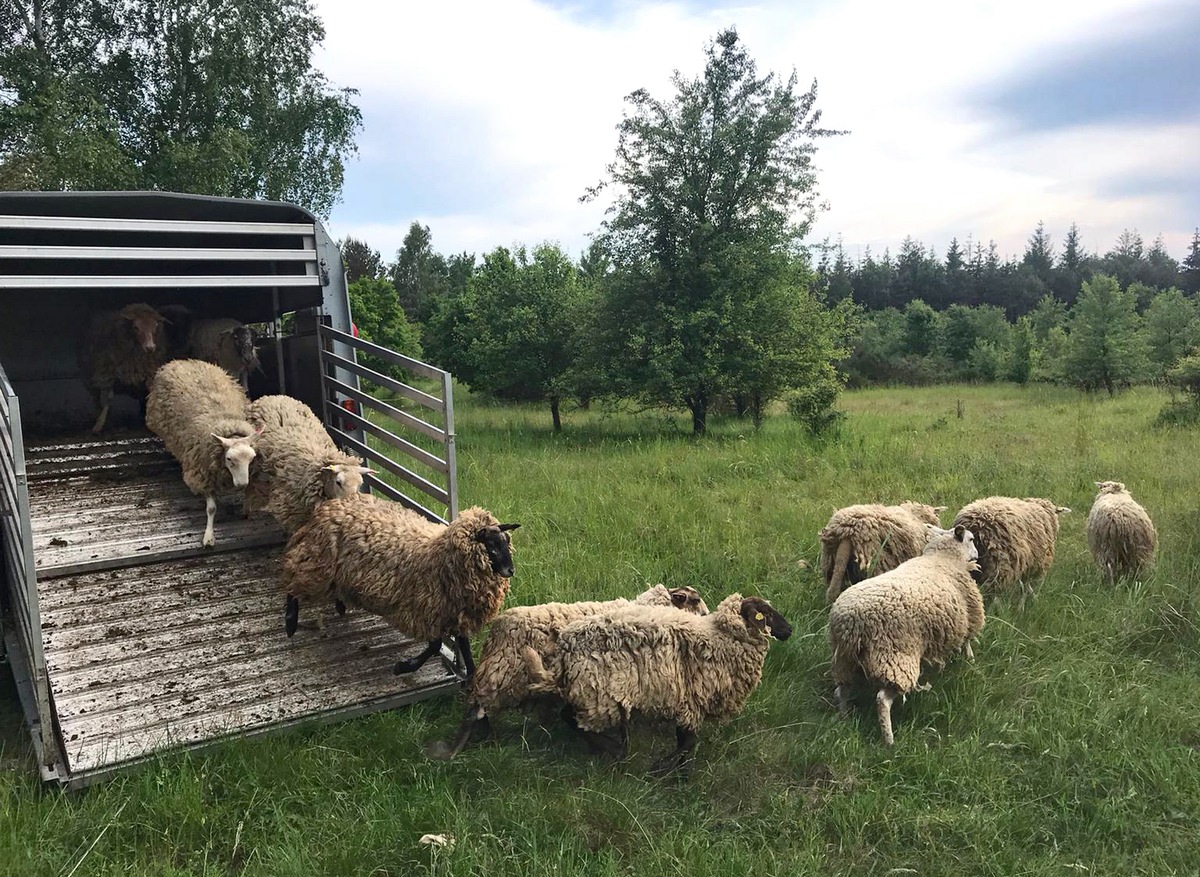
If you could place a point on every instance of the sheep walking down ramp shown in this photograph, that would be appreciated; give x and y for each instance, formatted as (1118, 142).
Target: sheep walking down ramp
(427, 580)
(1120, 534)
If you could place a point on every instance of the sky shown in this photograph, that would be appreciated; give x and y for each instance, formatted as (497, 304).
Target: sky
(488, 120)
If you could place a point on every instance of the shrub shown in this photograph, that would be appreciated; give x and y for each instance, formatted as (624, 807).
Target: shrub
(813, 405)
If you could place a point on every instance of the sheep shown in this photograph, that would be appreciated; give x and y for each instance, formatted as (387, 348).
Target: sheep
(425, 579)
(199, 412)
(864, 540)
(1015, 538)
(502, 680)
(925, 610)
(227, 343)
(660, 662)
(1120, 534)
(124, 347)
(299, 465)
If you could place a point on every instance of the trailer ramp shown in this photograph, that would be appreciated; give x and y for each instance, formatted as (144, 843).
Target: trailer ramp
(152, 643)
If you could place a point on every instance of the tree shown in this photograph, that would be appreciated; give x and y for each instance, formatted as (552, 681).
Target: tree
(212, 96)
(1170, 329)
(706, 183)
(1105, 346)
(1126, 260)
(523, 325)
(1068, 274)
(1038, 254)
(1160, 270)
(1189, 269)
(361, 261)
(376, 310)
(1020, 355)
(420, 274)
(921, 327)
(1050, 314)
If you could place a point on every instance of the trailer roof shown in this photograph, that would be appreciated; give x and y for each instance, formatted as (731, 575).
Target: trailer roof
(151, 205)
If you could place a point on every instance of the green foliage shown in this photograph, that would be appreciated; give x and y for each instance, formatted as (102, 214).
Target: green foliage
(1105, 348)
(1021, 354)
(1170, 329)
(420, 275)
(986, 361)
(218, 97)
(375, 308)
(360, 260)
(812, 405)
(702, 229)
(922, 326)
(1050, 314)
(1189, 269)
(962, 328)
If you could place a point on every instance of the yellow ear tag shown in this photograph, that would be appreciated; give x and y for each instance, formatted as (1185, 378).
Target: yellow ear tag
(758, 616)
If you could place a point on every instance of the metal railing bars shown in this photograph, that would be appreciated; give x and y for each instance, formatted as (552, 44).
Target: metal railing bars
(191, 226)
(403, 417)
(415, 366)
(398, 387)
(188, 254)
(401, 472)
(417, 453)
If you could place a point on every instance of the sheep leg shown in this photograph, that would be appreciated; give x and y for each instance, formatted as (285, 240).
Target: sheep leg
(883, 706)
(474, 719)
(210, 511)
(967, 651)
(842, 693)
(413, 664)
(464, 652)
(339, 606)
(104, 399)
(291, 615)
(685, 745)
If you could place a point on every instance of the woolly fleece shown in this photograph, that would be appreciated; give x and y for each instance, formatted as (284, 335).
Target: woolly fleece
(425, 579)
(1015, 538)
(1120, 534)
(879, 538)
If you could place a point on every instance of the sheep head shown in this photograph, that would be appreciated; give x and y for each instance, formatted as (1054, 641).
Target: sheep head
(1110, 487)
(342, 479)
(688, 600)
(239, 453)
(926, 514)
(145, 323)
(498, 543)
(761, 616)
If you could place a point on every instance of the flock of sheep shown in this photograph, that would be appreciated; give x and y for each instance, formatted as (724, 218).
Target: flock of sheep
(662, 654)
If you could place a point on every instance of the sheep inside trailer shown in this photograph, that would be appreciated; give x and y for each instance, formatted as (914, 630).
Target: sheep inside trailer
(125, 636)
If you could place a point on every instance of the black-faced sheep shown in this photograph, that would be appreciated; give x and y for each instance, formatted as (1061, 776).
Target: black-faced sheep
(1015, 539)
(199, 412)
(660, 662)
(926, 610)
(121, 348)
(864, 540)
(227, 343)
(1120, 534)
(425, 579)
(502, 678)
(298, 466)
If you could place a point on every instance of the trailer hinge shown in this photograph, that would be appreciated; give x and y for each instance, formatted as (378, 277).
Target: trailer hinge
(324, 268)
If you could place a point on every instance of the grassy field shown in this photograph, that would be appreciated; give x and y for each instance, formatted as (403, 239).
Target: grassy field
(1070, 746)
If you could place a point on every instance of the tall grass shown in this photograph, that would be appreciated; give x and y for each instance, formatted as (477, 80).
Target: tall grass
(1071, 745)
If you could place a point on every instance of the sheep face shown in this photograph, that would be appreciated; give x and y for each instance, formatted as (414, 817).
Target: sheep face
(243, 344)
(761, 616)
(1110, 487)
(146, 327)
(499, 548)
(239, 452)
(970, 551)
(688, 600)
(341, 480)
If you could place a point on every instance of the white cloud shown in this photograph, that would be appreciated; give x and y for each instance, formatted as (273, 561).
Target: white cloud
(543, 90)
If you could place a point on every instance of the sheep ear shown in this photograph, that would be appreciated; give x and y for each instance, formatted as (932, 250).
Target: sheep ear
(940, 508)
(505, 527)
(1099, 483)
(1062, 509)
(364, 470)
(227, 442)
(960, 532)
(679, 598)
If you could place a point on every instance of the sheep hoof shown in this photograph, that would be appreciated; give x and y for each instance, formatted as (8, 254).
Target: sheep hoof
(408, 665)
(340, 607)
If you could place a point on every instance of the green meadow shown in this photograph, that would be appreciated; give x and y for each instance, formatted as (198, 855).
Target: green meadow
(1070, 745)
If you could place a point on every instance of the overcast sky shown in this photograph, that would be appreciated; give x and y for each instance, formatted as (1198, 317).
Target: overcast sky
(487, 120)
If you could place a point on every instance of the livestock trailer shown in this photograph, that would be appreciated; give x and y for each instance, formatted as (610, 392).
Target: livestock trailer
(125, 637)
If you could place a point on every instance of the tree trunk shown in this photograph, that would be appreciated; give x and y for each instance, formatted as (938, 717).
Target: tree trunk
(554, 414)
(740, 405)
(699, 406)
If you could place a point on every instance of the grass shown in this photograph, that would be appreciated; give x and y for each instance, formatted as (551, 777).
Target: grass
(1070, 746)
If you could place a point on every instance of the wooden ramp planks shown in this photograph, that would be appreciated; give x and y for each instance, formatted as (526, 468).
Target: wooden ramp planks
(173, 654)
(154, 643)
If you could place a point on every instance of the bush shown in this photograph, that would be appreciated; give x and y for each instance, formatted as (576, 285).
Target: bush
(813, 405)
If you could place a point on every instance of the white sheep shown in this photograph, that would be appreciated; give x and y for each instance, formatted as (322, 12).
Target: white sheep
(199, 412)
(425, 579)
(227, 343)
(660, 662)
(1015, 539)
(121, 348)
(926, 610)
(1120, 534)
(864, 540)
(502, 677)
(298, 466)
